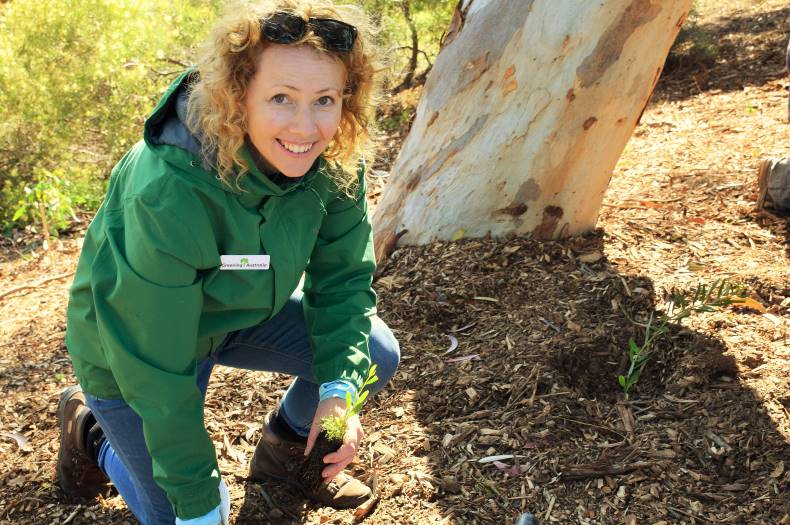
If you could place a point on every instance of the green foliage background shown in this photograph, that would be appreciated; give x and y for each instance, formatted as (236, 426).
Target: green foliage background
(431, 18)
(78, 77)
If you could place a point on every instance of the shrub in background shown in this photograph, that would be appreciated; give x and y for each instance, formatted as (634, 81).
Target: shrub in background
(695, 44)
(429, 19)
(77, 78)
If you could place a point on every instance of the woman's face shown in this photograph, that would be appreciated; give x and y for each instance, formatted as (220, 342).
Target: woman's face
(293, 106)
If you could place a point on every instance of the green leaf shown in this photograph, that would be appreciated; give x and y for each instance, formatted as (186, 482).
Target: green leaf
(19, 212)
(716, 284)
(621, 380)
(362, 397)
(633, 346)
(725, 286)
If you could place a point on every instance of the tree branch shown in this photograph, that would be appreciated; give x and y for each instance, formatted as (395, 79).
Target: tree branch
(36, 285)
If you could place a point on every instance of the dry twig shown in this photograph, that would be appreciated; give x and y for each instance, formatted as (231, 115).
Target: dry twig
(36, 285)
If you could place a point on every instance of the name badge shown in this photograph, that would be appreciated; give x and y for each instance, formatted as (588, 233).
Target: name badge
(244, 262)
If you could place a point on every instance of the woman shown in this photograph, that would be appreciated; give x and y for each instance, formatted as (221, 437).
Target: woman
(249, 177)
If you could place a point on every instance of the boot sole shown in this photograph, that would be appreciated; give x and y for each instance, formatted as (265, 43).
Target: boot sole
(70, 489)
(65, 396)
(762, 184)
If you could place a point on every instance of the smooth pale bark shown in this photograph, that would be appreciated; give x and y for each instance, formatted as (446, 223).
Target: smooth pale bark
(523, 117)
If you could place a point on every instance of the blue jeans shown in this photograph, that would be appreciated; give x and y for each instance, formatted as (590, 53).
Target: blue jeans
(278, 345)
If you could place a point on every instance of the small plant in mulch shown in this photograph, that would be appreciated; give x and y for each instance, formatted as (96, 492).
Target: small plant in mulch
(333, 428)
(681, 304)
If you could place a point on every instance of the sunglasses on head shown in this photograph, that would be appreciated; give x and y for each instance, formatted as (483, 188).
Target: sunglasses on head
(287, 28)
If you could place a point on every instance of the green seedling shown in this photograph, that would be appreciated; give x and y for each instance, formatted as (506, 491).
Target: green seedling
(681, 304)
(335, 426)
(333, 429)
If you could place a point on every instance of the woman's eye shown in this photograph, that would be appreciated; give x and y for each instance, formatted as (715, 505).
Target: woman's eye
(326, 101)
(279, 99)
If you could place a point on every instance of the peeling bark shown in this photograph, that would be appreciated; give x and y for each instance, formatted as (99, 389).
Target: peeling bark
(611, 45)
(523, 117)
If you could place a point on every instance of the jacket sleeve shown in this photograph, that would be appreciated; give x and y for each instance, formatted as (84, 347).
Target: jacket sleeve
(148, 302)
(338, 298)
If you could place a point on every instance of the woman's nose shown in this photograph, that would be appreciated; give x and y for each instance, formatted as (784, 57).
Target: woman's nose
(304, 122)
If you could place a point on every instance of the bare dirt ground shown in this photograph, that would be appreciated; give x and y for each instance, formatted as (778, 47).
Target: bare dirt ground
(542, 332)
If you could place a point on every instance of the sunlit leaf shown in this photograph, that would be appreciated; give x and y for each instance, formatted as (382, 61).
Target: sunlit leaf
(633, 346)
(748, 302)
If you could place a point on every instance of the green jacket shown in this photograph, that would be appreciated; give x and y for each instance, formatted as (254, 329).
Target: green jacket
(149, 299)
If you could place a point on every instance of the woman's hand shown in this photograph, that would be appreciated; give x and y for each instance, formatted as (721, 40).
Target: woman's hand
(339, 459)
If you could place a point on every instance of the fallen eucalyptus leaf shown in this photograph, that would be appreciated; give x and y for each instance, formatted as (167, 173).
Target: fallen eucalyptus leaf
(453, 344)
(470, 325)
(471, 357)
(748, 302)
(491, 459)
(21, 440)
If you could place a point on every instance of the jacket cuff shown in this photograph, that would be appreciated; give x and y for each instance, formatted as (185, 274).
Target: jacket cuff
(336, 388)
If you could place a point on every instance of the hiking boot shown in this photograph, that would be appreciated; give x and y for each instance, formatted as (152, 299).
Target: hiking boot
(342, 492)
(280, 453)
(78, 473)
(773, 186)
(763, 171)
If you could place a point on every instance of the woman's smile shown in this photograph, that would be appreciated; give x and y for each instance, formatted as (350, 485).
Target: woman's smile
(295, 148)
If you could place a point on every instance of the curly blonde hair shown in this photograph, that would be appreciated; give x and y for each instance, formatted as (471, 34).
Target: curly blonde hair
(228, 61)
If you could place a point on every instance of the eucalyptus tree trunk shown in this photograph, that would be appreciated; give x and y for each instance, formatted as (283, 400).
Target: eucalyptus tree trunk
(523, 117)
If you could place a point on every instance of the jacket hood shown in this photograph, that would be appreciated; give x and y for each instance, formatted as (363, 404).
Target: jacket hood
(167, 134)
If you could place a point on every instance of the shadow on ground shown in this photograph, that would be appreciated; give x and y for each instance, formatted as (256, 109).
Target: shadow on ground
(270, 502)
(542, 337)
(727, 55)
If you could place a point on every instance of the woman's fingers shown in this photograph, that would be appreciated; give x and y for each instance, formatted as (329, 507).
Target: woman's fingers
(344, 453)
(340, 459)
(315, 429)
